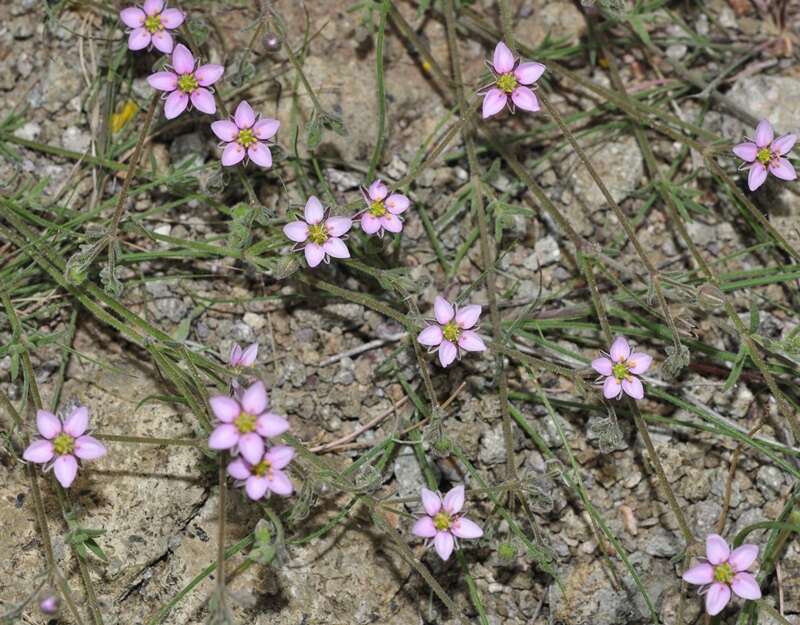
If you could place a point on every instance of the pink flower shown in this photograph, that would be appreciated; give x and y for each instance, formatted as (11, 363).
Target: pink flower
(63, 443)
(266, 475)
(724, 570)
(453, 331)
(49, 604)
(150, 25)
(187, 83)
(510, 80)
(442, 521)
(620, 369)
(240, 358)
(382, 212)
(320, 233)
(243, 135)
(244, 420)
(765, 154)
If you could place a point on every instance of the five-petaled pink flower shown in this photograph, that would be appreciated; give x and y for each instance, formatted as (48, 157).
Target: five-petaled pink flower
(453, 331)
(443, 521)
(244, 134)
(265, 476)
(620, 368)
(724, 570)
(320, 233)
(510, 83)
(241, 358)
(765, 155)
(150, 25)
(244, 420)
(186, 83)
(382, 211)
(63, 444)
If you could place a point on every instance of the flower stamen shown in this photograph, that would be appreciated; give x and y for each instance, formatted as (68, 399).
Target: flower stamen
(723, 573)
(245, 423)
(451, 331)
(442, 521)
(246, 137)
(153, 23)
(63, 444)
(318, 233)
(377, 208)
(188, 83)
(507, 82)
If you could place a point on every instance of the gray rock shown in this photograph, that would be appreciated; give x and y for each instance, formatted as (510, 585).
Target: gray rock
(408, 474)
(661, 542)
(493, 449)
(765, 97)
(619, 165)
(769, 481)
(76, 139)
(29, 131)
(192, 144)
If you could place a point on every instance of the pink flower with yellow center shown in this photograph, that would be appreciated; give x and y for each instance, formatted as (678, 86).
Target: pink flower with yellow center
(150, 24)
(765, 154)
(185, 83)
(443, 521)
(511, 83)
(63, 444)
(266, 475)
(453, 331)
(620, 368)
(321, 234)
(245, 135)
(382, 212)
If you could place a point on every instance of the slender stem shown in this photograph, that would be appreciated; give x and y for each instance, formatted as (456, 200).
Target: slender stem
(223, 486)
(381, 91)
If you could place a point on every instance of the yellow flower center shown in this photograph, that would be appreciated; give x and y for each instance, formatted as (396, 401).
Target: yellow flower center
(620, 371)
(451, 331)
(377, 209)
(441, 521)
(507, 82)
(317, 233)
(245, 423)
(187, 83)
(153, 23)
(723, 573)
(63, 444)
(262, 468)
(764, 155)
(246, 137)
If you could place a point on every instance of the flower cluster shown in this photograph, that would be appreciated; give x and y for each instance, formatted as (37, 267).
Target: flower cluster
(765, 154)
(453, 331)
(443, 521)
(619, 368)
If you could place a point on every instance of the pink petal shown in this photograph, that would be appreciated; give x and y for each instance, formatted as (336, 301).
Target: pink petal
(259, 153)
(430, 336)
(249, 355)
(208, 74)
(454, 500)
(89, 448)
(138, 39)
(764, 134)
(746, 151)
(313, 210)
(783, 169)
(602, 365)
(469, 341)
(397, 203)
(39, 451)
(233, 154)
(370, 224)
(256, 487)
(529, 73)
(48, 424)
(493, 102)
(280, 484)
(251, 446)
(77, 422)
(172, 18)
(270, 425)
(746, 586)
(431, 501)
(717, 598)
(203, 101)
(163, 41)
(757, 176)
(447, 353)
(424, 528)
(392, 223)
(503, 61)
(182, 60)
(639, 362)
(784, 144)
(175, 104)
(266, 128)
(742, 557)
(238, 469)
(464, 528)
(235, 357)
(244, 116)
(255, 400)
(225, 408)
(296, 231)
(153, 7)
(633, 388)
(468, 316)
(377, 190)
(132, 17)
(700, 574)
(336, 248)
(314, 254)
(223, 436)
(443, 310)
(444, 544)
(611, 388)
(163, 81)
(525, 99)
(717, 550)
(225, 130)
(620, 349)
(280, 456)
(65, 468)
(337, 226)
